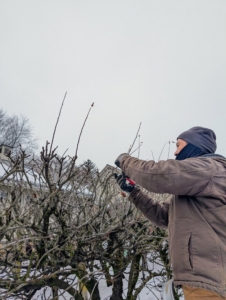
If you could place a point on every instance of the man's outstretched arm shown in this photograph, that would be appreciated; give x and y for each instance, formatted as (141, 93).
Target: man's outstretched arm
(187, 177)
(157, 213)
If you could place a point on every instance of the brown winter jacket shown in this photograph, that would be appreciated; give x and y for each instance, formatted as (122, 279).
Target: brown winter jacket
(195, 216)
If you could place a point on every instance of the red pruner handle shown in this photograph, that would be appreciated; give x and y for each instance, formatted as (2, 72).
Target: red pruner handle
(130, 181)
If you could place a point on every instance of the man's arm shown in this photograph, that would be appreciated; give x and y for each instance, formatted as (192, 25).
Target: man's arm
(157, 213)
(188, 177)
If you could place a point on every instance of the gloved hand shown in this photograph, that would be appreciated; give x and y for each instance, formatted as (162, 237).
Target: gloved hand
(125, 183)
(119, 159)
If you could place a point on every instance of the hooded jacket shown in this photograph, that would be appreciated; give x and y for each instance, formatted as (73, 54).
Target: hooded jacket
(195, 216)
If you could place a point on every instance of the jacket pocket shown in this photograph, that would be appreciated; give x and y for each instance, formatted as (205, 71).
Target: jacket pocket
(194, 251)
(190, 254)
(181, 248)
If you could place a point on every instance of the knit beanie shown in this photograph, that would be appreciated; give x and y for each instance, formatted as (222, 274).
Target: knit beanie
(201, 137)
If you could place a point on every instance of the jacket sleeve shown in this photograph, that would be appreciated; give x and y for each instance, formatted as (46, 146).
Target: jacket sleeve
(157, 213)
(187, 177)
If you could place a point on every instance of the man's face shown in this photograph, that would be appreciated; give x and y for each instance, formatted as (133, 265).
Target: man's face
(180, 145)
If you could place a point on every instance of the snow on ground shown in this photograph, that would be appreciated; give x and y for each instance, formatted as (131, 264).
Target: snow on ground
(105, 293)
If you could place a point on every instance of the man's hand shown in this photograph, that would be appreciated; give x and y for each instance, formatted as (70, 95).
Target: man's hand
(119, 159)
(125, 183)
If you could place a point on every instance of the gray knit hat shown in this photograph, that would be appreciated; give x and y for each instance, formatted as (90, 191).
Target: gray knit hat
(200, 137)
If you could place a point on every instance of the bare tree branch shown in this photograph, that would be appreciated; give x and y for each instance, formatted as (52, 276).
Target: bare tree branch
(76, 151)
(131, 147)
(57, 122)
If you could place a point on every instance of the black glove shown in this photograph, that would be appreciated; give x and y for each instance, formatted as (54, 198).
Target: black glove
(124, 182)
(119, 159)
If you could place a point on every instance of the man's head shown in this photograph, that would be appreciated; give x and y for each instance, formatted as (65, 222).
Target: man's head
(195, 142)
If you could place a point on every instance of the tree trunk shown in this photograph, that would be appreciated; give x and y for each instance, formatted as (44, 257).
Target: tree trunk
(91, 284)
(117, 289)
(55, 292)
(133, 276)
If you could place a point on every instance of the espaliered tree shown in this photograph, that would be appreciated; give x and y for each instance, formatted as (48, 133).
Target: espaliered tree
(64, 227)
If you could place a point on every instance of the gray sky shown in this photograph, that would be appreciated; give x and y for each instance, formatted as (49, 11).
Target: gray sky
(162, 63)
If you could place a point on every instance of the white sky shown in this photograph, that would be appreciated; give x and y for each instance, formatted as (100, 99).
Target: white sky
(159, 62)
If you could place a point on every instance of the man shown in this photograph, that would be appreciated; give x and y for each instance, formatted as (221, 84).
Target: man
(196, 214)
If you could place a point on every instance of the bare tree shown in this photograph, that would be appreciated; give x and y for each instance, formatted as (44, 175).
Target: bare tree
(63, 226)
(17, 132)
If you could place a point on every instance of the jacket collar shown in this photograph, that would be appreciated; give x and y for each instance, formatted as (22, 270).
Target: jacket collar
(213, 155)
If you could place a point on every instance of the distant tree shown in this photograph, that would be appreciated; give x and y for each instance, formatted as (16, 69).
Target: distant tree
(17, 132)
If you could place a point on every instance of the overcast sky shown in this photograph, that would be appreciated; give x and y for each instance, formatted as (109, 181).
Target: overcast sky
(159, 62)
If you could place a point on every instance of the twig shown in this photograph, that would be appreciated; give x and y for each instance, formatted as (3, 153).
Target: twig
(57, 123)
(169, 150)
(137, 148)
(76, 152)
(65, 152)
(162, 150)
(131, 147)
